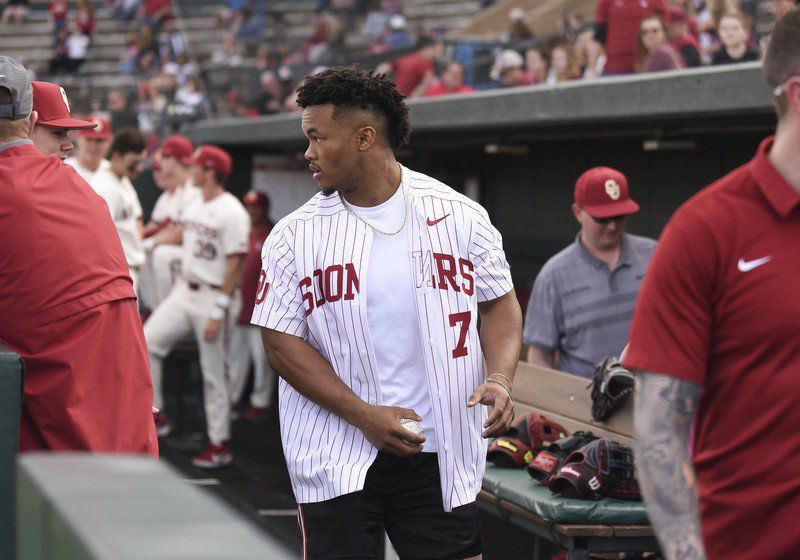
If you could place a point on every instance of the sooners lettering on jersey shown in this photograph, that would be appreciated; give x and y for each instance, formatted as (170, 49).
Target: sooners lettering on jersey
(315, 265)
(212, 231)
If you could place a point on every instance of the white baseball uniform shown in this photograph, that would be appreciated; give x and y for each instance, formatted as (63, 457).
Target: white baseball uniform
(314, 286)
(212, 231)
(126, 211)
(163, 264)
(86, 173)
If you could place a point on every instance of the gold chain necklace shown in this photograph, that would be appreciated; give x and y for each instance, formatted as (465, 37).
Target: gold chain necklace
(405, 210)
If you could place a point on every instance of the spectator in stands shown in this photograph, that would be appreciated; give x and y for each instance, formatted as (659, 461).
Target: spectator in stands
(562, 64)
(589, 56)
(16, 10)
(121, 113)
(249, 27)
(269, 101)
(130, 55)
(84, 17)
(227, 53)
(125, 10)
(189, 103)
(617, 29)
(518, 30)
(509, 68)
(582, 301)
(734, 34)
(223, 17)
(234, 105)
(155, 13)
(290, 103)
(396, 35)
(148, 65)
(450, 82)
(411, 69)
(60, 60)
(376, 21)
(537, 63)
(77, 49)
(57, 13)
(172, 44)
(681, 37)
(655, 53)
(318, 42)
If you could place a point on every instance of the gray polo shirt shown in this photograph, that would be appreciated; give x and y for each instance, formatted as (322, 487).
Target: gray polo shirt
(581, 308)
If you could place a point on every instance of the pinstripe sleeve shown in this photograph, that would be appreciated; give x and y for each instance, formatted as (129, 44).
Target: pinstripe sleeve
(279, 303)
(492, 273)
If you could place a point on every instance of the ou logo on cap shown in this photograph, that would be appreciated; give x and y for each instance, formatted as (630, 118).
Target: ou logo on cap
(64, 97)
(99, 127)
(612, 189)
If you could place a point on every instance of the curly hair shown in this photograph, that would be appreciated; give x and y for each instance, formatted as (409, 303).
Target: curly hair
(351, 88)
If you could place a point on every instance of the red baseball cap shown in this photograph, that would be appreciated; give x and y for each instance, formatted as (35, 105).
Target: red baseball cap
(50, 101)
(255, 198)
(213, 157)
(603, 193)
(102, 130)
(177, 146)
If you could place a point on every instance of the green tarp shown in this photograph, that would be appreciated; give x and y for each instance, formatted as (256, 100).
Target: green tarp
(517, 487)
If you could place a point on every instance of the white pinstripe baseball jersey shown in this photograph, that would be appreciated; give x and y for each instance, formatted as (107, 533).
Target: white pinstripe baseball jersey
(313, 286)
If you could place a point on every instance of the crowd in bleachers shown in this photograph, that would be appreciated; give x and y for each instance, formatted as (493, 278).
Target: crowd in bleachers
(252, 37)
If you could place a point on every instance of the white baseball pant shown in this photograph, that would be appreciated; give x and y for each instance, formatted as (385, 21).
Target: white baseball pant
(246, 348)
(159, 274)
(183, 311)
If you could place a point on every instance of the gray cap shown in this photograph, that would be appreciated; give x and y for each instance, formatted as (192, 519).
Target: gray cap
(14, 78)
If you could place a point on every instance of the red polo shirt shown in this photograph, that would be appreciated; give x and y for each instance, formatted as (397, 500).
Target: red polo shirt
(720, 308)
(67, 307)
(409, 71)
(622, 19)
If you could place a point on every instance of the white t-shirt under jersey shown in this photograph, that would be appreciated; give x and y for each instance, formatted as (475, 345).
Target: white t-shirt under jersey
(86, 173)
(172, 206)
(392, 315)
(213, 231)
(126, 210)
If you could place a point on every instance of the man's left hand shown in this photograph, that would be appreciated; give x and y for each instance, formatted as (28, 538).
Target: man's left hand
(502, 408)
(212, 329)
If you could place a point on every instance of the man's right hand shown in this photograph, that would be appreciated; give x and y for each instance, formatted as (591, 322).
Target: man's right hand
(381, 426)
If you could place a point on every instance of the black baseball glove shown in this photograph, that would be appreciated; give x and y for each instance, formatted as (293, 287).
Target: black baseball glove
(550, 459)
(611, 386)
(600, 469)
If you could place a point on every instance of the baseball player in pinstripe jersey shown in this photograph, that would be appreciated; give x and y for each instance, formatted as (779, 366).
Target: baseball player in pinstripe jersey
(369, 300)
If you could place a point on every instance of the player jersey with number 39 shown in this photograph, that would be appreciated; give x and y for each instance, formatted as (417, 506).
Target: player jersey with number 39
(213, 231)
(313, 286)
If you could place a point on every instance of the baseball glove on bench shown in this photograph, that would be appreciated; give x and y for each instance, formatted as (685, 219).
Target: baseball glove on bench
(550, 459)
(519, 444)
(600, 469)
(611, 386)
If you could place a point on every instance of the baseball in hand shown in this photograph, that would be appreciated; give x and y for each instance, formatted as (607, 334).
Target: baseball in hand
(412, 426)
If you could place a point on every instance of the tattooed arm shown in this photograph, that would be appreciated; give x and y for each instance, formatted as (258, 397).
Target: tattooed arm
(665, 407)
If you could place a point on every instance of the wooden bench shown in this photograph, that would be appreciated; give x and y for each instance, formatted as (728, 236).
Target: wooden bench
(565, 399)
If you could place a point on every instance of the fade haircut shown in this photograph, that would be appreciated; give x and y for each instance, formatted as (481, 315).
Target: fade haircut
(350, 89)
(782, 60)
(126, 141)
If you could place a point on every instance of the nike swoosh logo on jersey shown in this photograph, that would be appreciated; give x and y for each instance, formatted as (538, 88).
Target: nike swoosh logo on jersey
(434, 222)
(747, 266)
